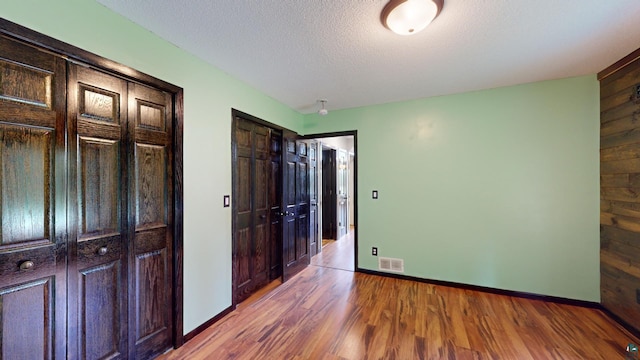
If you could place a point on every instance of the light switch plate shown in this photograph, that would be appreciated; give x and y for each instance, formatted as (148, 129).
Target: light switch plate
(226, 201)
(374, 194)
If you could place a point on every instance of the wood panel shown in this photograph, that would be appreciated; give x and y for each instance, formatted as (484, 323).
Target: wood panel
(97, 252)
(150, 218)
(253, 228)
(26, 320)
(314, 244)
(33, 204)
(296, 205)
(80, 174)
(275, 196)
(620, 193)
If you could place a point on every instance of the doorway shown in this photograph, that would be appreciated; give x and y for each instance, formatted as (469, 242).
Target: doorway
(337, 205)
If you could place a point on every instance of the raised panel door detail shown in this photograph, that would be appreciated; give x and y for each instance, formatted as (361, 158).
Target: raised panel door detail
(260, 256)
(98, 104)
(25, 84)
(243, 256)
(151, 293)
(262, 184)
(26, 183)
(151, 184)
(244, 185)
(302, 244)
(150, 116)
(100, 308)
(291, 180)
(303, 183)
(27, 320)
(262, 142)
(243, 138)
(289, 228)
(99, 189)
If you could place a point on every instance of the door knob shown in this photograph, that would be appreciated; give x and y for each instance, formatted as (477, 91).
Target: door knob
(103, 251)
(26, 265)
(263, 216)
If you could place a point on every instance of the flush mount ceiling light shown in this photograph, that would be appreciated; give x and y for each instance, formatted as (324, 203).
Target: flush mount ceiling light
(323, 111)
(408, 17)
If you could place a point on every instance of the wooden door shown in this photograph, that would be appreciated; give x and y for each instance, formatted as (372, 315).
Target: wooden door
(275, 204)
(97, 119)
(343, 193)
(313, 198)
(32, 203)
(295, 200)
(150, 221)
(252, 158)
(329, 197)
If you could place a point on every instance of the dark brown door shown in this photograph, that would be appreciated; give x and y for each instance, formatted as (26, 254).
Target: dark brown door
(253, 167)
(32, 203)
(329, 197)
(97, 119)
(275, 203)
(313, 198)
(295, 200)
(150, 219)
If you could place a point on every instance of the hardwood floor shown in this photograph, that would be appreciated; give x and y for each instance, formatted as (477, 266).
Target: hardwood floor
(326, 313)
(337, 254)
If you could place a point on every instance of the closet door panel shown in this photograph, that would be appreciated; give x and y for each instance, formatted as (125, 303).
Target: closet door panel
(29, 335)
(98, 267)
(32, 203)
(149, 126)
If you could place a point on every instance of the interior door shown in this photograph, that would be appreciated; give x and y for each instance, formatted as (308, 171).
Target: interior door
(343, 193)
(295, 203)
(254, 165)
(97, 118)
(313, 198)
(32, 203)
(329, 204)
(275, 203)
(150, 219)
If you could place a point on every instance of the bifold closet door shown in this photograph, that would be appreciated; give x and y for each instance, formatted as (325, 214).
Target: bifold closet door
(150, 218)
(32, 203)
(97, 118)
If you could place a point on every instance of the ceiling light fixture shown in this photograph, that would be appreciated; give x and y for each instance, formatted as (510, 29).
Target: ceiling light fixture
(408, 17)
(323, 111)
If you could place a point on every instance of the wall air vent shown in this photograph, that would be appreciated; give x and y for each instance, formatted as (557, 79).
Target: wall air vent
(389, 264)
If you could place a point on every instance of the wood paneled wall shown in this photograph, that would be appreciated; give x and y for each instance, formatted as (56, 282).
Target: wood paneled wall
(620, 189)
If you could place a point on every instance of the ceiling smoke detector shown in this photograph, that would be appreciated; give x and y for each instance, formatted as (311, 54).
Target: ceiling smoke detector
(323, 111)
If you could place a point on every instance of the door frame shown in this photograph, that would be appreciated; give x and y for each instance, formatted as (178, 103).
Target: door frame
(76, 55)
(353, 133)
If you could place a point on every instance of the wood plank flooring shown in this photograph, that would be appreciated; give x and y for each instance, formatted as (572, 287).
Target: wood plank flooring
(337, 254)
(327, 313)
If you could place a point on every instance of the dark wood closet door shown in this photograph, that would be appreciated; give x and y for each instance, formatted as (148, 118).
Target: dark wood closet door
(275, 203)
(329, 196)
(252, 148)
(97, 113)
(313, 198)
(150, 221)
(295, 199)
(32, 203)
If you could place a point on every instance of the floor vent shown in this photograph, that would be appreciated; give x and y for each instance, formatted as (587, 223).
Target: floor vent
(389, 264)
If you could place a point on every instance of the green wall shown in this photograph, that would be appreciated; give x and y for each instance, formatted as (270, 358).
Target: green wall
(209, 95)
(497, 188)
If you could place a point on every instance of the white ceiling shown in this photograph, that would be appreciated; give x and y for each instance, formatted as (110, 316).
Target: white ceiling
(298, 51)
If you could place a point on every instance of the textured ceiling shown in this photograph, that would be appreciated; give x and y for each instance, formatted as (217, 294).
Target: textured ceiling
(298, 51)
